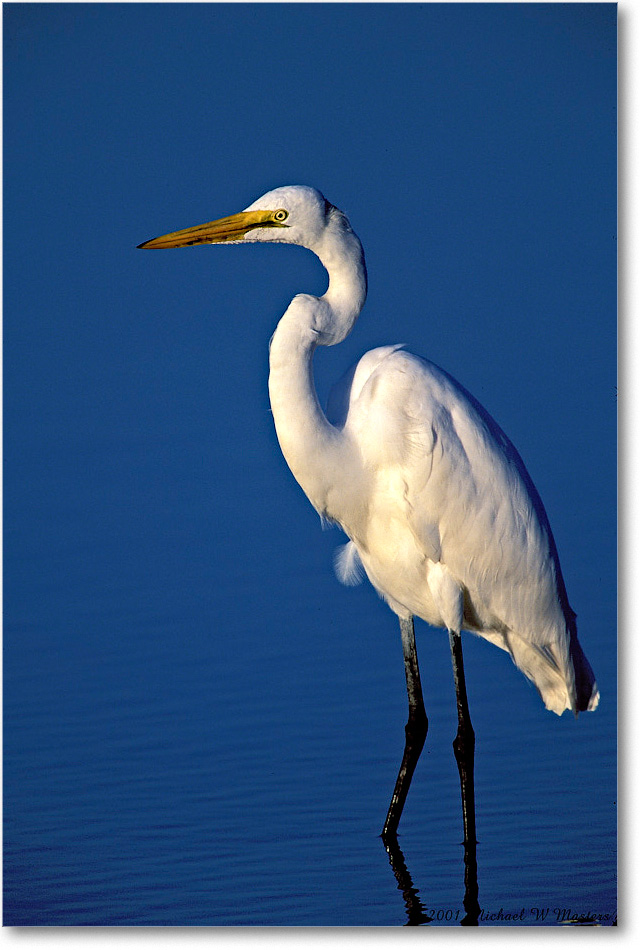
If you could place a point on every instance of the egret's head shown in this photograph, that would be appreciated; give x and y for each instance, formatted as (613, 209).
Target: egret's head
(293, 214)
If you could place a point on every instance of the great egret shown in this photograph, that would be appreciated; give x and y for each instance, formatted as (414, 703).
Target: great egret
(440, 511)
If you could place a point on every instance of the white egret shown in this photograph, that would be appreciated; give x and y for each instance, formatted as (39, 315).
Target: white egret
(440, 511)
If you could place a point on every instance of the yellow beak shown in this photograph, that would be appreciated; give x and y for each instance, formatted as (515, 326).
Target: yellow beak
(232, 228)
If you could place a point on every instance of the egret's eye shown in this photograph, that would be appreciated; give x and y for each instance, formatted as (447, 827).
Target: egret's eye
(281, 215)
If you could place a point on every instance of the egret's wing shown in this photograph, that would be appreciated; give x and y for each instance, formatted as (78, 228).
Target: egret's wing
(346, 391)
(438, 463)
(467, 495)
(495, 535)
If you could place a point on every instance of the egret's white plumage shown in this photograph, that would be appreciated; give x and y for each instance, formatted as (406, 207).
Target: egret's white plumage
(440, 511)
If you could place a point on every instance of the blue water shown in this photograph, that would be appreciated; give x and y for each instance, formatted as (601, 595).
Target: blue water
(203, 727)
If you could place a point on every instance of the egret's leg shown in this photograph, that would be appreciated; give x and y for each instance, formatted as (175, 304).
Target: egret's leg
(464, 742)
(464, 752)
(415, 730)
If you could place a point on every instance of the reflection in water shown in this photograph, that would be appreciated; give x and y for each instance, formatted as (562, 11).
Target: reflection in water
(471, 896)
(416, 914)
(414, 907)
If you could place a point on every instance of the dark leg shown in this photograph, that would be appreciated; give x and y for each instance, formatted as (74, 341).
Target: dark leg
(464, 742)
(464, 753)
(415, 730)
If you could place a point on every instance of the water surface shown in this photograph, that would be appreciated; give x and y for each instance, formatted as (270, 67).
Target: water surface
(203, 727)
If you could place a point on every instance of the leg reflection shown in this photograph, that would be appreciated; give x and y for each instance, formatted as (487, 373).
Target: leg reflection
(414, 907)
(416, 914)
(471, 897)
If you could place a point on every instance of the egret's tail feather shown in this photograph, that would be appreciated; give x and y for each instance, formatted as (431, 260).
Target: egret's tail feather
(587, 693)
(564, 679)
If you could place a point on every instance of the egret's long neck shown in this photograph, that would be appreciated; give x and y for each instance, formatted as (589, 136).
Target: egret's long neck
(311, 445)
(342, 257)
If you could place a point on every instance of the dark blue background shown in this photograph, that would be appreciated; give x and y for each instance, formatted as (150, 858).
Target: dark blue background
(201, 725)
